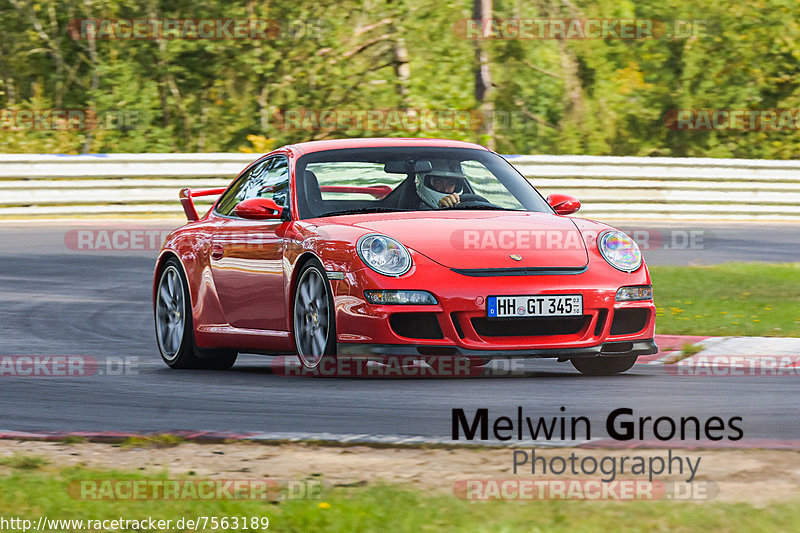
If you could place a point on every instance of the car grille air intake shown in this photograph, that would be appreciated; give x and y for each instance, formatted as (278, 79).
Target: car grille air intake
(416, 325)
(628, 321)
(529, 327)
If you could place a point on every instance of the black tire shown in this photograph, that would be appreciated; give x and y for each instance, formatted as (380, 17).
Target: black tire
(174, 326)
(215, 358)
(603, 366)
(313, 316)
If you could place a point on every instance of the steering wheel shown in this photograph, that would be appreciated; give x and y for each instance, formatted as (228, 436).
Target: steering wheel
(474, 200)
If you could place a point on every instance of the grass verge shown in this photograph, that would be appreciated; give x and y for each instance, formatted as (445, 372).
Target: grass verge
(747, 299)
(30, 494)
(164, 440)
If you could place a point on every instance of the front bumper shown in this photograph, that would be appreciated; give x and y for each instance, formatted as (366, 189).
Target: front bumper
(607, 349)
(458, 323)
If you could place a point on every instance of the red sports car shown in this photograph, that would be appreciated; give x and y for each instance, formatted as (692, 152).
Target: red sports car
(397, 247)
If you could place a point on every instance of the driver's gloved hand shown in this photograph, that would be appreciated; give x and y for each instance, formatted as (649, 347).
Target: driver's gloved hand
(450, 200)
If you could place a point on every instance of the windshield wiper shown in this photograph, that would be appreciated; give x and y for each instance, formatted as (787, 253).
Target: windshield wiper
(363, 210)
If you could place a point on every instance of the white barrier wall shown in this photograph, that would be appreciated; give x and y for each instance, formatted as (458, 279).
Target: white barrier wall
(608, 187)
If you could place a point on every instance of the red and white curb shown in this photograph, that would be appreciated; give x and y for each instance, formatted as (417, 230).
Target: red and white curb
(396, 440)
(752, 356)
(670, 346)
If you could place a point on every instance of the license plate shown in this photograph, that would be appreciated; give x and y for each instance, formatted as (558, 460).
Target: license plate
(540, 305)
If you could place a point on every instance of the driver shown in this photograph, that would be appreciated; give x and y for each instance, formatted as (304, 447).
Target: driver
(439, 189)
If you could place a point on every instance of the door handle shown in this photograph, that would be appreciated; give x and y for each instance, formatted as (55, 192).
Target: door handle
(217, 251)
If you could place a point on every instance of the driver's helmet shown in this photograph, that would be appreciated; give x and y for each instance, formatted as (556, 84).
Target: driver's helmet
(429, 185)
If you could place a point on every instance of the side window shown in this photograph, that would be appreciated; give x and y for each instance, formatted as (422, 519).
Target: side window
(275, 182)
(486, 184)
(268, 179)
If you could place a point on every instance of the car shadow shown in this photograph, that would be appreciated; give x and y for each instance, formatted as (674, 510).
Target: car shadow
(442, 369)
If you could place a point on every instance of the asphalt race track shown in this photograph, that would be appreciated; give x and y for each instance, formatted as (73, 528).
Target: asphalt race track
(60, 301)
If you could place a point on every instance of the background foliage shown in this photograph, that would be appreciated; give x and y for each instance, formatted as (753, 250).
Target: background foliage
(550, 96)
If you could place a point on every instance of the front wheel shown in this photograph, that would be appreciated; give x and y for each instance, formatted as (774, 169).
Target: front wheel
(313, 316)
(174, 330)
(603, 366)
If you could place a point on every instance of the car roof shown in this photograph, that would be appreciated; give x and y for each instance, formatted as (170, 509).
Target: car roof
(377, 142)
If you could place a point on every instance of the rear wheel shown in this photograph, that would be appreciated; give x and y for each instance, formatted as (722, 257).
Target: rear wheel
(174, 329)
(313, 316)
(603, 366)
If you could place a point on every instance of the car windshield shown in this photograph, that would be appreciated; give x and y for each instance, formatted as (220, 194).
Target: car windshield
(364, 180)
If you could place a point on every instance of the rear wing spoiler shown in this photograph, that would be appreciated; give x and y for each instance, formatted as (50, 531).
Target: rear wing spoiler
(187, 194)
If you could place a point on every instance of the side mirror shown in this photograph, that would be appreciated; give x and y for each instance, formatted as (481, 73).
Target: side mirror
(258, 209)
(563, 204)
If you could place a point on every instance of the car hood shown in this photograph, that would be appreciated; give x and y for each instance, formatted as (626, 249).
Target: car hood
(487, 239)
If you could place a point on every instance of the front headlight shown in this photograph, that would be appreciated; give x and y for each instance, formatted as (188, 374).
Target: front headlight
(400, 297)
(635, 293)
(384, 255)
(619, 250)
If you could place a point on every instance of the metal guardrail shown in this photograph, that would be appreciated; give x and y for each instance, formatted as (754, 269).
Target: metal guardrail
(608, 187)
(667, 187)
